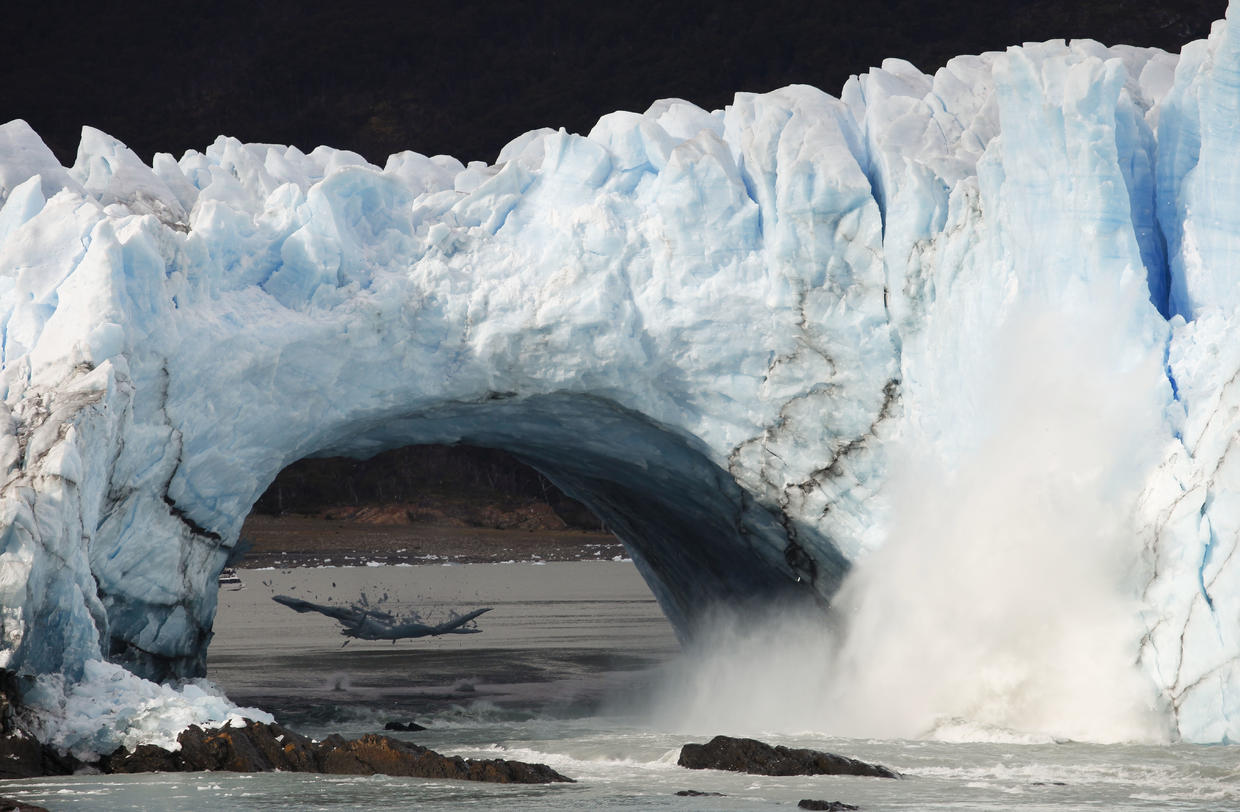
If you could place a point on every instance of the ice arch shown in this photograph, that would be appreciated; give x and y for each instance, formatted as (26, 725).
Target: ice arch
(604, 308)
(711, 327)
(696, 536)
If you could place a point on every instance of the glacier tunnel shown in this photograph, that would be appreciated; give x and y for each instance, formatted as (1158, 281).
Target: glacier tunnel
(694, 534)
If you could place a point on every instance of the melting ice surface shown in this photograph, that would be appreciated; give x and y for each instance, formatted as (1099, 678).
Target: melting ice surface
(970, 337)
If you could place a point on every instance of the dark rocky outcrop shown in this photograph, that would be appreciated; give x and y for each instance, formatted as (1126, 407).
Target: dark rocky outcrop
(759, 758)
(828, 806)
(259, 747)
(404, 727)
(379, 754)
(22, 756)
(13, 805)
(256, 747)
(695, 793)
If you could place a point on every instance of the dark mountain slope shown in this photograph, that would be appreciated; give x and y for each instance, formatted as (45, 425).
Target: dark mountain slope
(464, 78)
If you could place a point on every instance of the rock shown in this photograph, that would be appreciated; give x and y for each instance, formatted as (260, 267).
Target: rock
(259, 747)
(404, 727)
(759, 758)
(380, 754)
(829, 806)
(693, 793)
(9, 693)
(256, 747)
(12, 805)
(145, 758)
(22, 756)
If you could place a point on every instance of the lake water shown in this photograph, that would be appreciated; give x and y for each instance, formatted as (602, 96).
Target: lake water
(560, 674)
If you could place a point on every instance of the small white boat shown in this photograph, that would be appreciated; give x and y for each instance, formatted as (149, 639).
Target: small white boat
(230, 579)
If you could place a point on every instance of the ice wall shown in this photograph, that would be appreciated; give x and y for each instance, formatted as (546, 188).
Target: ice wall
(716, 329)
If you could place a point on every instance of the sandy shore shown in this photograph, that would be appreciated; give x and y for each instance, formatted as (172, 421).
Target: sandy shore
(309, 541)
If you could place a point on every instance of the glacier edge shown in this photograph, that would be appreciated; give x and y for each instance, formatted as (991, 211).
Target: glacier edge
(718, 329)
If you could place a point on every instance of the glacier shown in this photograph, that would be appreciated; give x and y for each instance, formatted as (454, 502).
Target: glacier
(766, 344)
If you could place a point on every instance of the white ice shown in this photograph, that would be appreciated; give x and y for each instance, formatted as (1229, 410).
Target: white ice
(972, 335)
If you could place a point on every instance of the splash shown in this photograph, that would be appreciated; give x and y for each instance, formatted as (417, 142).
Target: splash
(1000, 605)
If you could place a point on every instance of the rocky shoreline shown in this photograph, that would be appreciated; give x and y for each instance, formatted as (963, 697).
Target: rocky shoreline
(345, 540)
(261, 747)
(249, 746)
(253, 747)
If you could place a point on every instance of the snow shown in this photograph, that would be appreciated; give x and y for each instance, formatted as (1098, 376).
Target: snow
(733, 334)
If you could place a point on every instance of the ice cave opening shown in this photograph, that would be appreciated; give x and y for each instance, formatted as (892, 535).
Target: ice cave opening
(696, 537)
(694, 534)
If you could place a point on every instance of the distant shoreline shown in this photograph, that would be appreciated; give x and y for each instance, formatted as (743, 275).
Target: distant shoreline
(312, 541)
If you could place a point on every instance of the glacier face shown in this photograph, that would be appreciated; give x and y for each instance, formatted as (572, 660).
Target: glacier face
(729, 333)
